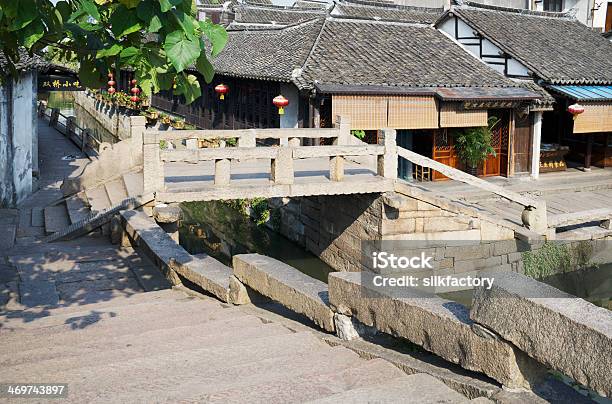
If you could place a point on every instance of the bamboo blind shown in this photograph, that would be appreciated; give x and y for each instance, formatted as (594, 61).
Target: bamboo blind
(412, 112)
(597, 117)
(453, 115)
(377, 112)
(365, 112)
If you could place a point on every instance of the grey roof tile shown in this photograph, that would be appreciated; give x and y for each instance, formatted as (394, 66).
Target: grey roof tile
(268, 54)
(557, 49)
(270, 15)
(352, 52)
(387, 12)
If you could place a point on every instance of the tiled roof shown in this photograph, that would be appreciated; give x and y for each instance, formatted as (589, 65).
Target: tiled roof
(388, 12)
(546, 101)
(26, 62)
(272, 15)
(363, 53)
(558, 50)
(267, 54)
(311, 4)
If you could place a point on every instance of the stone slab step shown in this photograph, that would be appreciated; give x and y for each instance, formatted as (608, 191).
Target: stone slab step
(134, 183)
(191, 374)
(30, 314)
(116, 191)
(126, 307)
(311, 386)
(78, 207)
(418, 388)
(7, 236)
(56, 218)
(151, 278)
(31, 339)
(67, 358)
(98, 199)
(106, 318)
(38, 217)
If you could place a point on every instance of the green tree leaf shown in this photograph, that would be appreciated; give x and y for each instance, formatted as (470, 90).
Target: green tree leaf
(112, 51)
(90, 8)
(123, 22)
(166, 5)
(205, 68)
(20, 13)
(89, 74)
(216, 34)
(32, 33)
(130, 3)
(189, 87)
(182, 51)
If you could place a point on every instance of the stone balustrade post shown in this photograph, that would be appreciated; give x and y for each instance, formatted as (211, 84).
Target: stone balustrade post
(54, 117)
(387, 163)
(153, 168)
(294, 142)
(282, 167)
(344, 124)
(248, 139)
(84, 139)
(70, 125)
(336, 168)
(535, 217)
(223, 171)
(42, 108)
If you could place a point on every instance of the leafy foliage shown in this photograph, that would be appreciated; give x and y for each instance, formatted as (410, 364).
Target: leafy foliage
(554, 258)
(358, 133)
(159, 39)
(473, 145)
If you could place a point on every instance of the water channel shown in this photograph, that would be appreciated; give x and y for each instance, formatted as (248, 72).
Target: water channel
(221, 231)
(64, 100)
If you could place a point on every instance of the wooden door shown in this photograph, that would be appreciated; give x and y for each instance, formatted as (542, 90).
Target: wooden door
(522, 143)
(444, 152)
(609, 18)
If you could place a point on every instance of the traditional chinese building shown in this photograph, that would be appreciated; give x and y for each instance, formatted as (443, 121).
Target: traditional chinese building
(379, 65)
(562, 57)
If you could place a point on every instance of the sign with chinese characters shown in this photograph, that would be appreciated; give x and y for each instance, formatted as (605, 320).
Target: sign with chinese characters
(50, 82)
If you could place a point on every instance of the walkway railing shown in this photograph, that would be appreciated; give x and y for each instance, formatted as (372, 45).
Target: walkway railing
(83, 138)
(282, 157)
(534, 214)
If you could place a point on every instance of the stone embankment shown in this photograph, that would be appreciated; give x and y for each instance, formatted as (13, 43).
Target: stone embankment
(473, 341)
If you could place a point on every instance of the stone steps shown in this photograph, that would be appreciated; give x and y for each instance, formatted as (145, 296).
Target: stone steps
(56, 218)
(108, 327)
(98, 199)
(418, 388)
(116, 191)
(309, 386)
(92, 208)
(132, 347)
(204, 373)
(78, 207)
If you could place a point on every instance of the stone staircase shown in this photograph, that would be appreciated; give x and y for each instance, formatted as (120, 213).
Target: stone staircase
(167, 346)
(93, 207)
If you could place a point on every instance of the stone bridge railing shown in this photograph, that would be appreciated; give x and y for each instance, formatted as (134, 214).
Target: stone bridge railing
(534, 214)
(282, 157)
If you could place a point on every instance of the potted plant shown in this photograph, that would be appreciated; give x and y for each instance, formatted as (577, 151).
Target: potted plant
(178, 124)
(473, 145)
(165, 119)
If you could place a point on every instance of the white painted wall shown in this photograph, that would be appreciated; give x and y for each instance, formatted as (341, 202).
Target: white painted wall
(290, 118)
(18, 138)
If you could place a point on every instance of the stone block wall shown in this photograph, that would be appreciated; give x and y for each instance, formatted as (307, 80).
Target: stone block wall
(99, 115)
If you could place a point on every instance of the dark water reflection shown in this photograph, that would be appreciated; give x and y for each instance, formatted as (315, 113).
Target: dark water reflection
(221, 231)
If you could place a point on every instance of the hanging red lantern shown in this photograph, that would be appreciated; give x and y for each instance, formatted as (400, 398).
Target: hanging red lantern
(135, 90)
(575, 110)
(280, 102)
(111, 90)
(111, 83)
(135, 98)
(110, 75)
(134, 82)
(221, 89)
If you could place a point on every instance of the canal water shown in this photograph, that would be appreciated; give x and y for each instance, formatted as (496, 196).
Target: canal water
(221, 231)
(64, 100)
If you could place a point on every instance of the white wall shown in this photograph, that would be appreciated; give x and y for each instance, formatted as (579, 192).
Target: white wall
(290, 118)
(18, 138)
